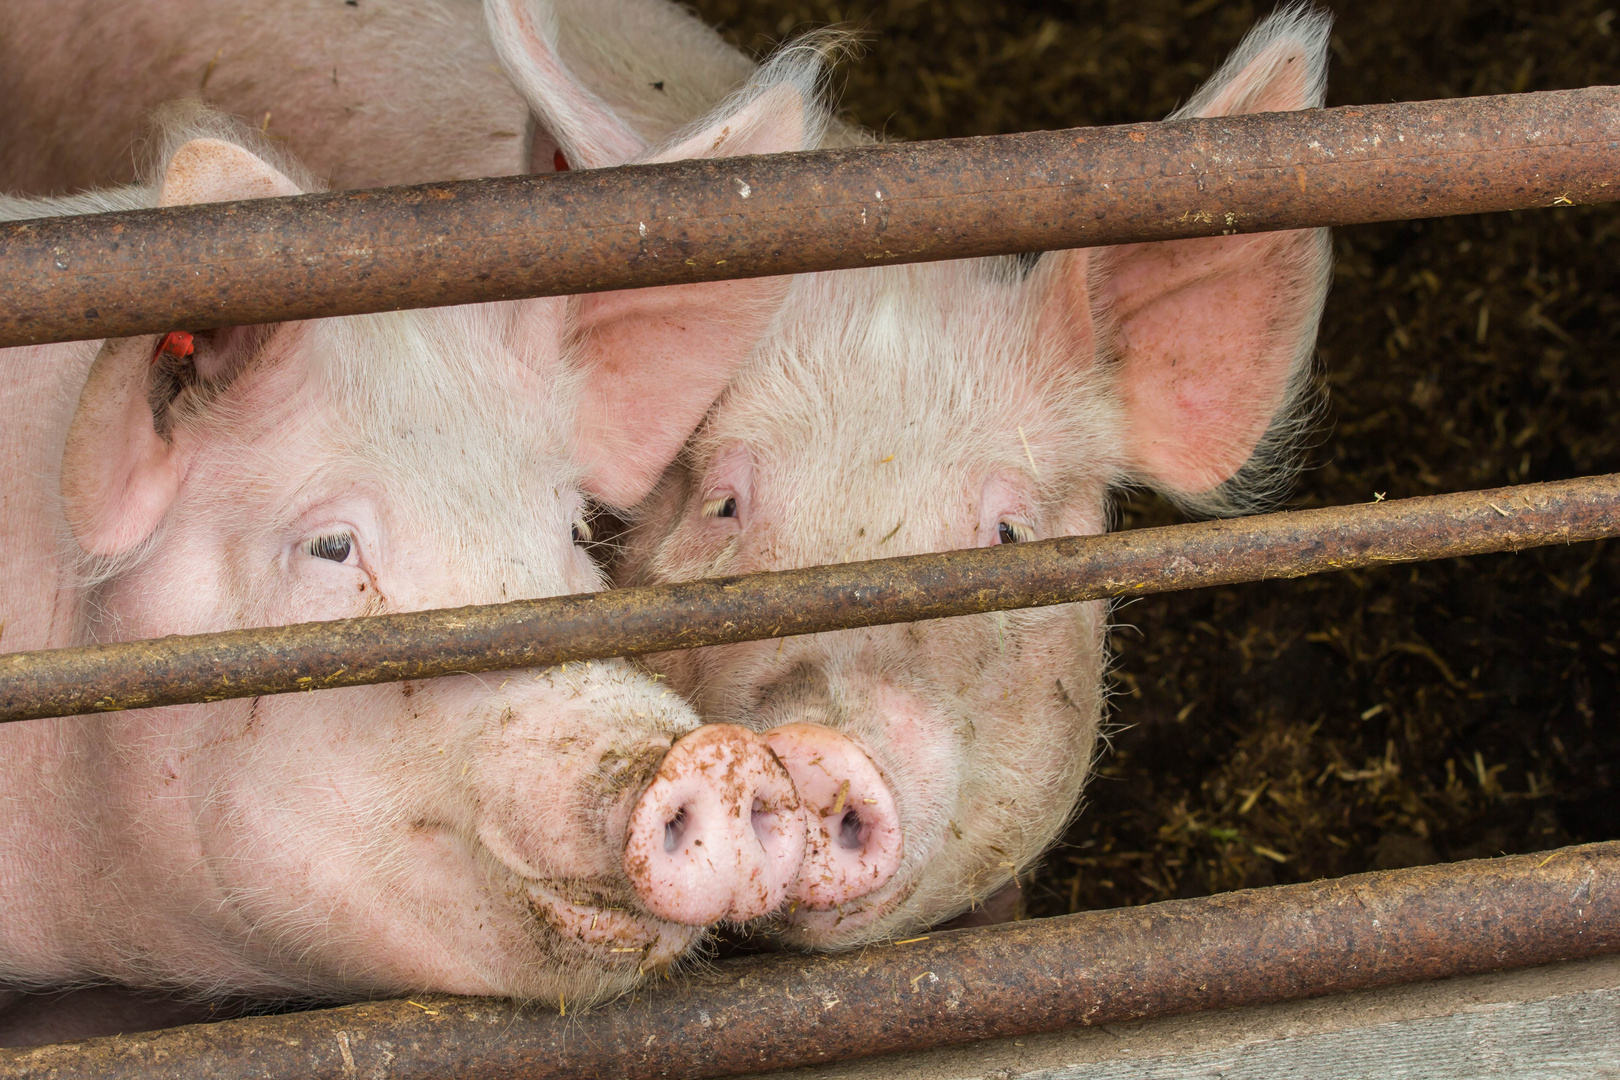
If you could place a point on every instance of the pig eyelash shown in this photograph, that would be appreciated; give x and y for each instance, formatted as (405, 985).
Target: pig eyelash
(723, 507)
(333, 547)
(1013, 532)
(581, 531)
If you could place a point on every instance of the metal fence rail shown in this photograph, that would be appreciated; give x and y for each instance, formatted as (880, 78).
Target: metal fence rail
(627, 622)
(194, 267)
(1097, 967)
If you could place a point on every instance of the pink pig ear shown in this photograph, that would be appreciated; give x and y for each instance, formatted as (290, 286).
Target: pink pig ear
(656, 359)
(120, 474)
(1213, 337)
(1281, 66)
(213, 170)
(590, 133)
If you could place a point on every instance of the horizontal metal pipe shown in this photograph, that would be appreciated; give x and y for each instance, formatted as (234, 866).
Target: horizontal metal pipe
(347, 252)
(1098, 967)
(715, 611)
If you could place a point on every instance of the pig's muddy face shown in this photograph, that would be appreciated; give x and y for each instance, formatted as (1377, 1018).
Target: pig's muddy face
(927, 408)
(920, 425)
(465, 834)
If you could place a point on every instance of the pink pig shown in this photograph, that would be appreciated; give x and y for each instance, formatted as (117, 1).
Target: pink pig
(374, 93)
(911, 409)
(535, 833)
(1066, 359)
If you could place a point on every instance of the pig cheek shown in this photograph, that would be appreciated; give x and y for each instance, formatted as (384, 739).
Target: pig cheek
(1035, 739)
(544, 797)
(1042, 692)
(277, 816)
(333, 811)
(1086, 515)
(460, 907)
(674, 668)
(322, 593)
(187, 586)
(923, 754)
(523, 815)
(696, 675)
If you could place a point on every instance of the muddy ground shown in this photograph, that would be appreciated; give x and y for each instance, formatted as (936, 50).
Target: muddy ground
(1293, 730)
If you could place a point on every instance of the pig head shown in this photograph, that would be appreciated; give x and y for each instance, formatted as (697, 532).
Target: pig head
(531, 833)
(913, 409)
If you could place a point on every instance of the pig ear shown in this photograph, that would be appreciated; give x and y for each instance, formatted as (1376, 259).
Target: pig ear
(590, 134)
(761, 118)
(123, 465)
(213, 170)
(1211, 338)
(1281, 66)
(781, 108)
(656, 359)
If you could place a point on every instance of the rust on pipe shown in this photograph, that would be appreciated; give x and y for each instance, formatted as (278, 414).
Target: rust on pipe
(349, 252)
(716, 611)
(1098, 967)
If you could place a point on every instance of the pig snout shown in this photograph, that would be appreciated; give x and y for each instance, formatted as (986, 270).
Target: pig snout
(720, 832)
(853, 847)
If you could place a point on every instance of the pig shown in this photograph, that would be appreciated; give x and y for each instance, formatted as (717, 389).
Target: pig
(910, 409)
(407, 91)
(550, 834)
(1112, 395)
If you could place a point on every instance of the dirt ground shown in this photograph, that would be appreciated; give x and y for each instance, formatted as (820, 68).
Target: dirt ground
(1293, 730)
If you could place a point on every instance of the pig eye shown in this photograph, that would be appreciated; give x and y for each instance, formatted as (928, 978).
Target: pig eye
(1013, 532)
(334, 547)
(582, 531)
(723, 507)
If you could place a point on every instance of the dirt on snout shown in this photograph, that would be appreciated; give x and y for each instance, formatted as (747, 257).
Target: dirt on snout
(1294, 730)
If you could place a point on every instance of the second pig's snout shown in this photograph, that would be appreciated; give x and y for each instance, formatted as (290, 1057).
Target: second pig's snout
(720, 832)
(854, 844)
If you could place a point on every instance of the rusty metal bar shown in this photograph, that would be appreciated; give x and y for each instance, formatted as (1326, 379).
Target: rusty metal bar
(1098, 967)
(348, 252)
(658, 618)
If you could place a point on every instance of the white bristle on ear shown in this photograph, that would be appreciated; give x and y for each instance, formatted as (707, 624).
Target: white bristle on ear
(1304, 25)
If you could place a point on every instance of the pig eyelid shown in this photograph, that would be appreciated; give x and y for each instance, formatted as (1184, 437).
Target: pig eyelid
(338, 546)
(1013, 532)
(721, 506)
(582, 522)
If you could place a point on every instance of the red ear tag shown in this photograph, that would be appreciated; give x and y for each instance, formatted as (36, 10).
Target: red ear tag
(559, 162)
(176, 343)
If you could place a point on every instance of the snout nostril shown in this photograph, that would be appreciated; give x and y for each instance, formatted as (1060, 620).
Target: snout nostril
(849, 831)
(674, 829)
(720, 832)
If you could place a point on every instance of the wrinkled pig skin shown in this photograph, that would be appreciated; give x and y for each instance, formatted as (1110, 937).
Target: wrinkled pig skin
(403, 92)
(911, 409)
(462, 834)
